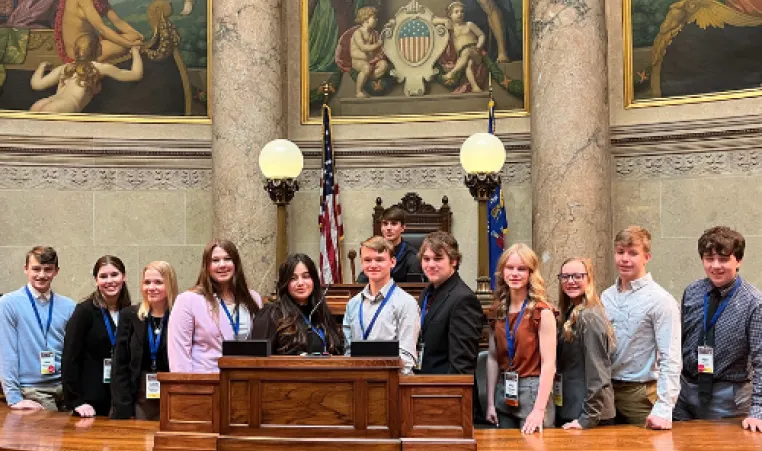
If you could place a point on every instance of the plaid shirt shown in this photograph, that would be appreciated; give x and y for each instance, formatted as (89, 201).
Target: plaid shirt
(738, 337)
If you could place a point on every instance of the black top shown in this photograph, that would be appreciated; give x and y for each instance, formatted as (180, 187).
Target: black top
(132, 358)
(86, 345)
(407, 269)
(451, 329)
(266, 327)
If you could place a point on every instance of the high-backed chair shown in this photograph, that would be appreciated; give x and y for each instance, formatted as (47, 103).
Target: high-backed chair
(421, 219)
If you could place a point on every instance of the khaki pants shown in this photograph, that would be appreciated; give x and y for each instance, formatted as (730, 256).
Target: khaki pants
(634, 400)
(50, 397)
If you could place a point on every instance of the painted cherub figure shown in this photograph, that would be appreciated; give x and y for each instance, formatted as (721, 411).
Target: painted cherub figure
(468, 40)
(79, 81)
(367, 58)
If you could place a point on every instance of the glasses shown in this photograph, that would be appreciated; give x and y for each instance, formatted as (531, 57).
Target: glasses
(577, 277)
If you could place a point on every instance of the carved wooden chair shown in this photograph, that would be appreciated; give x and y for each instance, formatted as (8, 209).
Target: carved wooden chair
(421, 219)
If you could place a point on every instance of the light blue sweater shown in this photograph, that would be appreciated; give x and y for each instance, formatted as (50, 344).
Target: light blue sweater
(21, 341)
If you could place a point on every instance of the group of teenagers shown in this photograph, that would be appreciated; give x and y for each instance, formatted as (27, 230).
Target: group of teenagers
(632, 354)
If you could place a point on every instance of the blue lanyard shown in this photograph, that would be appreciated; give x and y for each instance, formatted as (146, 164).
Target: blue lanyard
(154, 339)
(424, 312)
(510, 337)
(111, 332)
(45, 330)
(366, 333)
(317, 330)
(235, 325)
(399, 252)
(723, 303)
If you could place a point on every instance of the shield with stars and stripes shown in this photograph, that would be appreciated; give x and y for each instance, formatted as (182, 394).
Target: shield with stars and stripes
(414, 40)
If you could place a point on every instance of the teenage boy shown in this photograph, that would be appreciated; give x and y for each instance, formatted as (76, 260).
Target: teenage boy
(646, 364)
(722, 337)
(451, 316)
(383, 311)
(407, 267)
(32, 324)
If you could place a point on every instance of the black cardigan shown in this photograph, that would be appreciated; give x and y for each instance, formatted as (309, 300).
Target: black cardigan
(131, 358)
(86, 344)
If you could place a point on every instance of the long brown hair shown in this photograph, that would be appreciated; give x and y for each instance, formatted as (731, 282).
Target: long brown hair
(591, 300)
(535, 287)
(124, 294)
(292, 337)
(86, 49)
(207, 287)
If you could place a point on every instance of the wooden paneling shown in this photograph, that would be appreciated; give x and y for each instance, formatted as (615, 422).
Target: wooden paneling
(378, 412)
(437, 407)
(307, 403)
(190, 402)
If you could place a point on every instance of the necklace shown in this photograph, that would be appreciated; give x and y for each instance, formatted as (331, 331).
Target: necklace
(156, 323)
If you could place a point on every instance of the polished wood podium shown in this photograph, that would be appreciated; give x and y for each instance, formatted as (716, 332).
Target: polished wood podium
(314, 403)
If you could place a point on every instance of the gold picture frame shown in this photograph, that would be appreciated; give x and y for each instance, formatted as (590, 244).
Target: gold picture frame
(661, 42)
(139, 118)
(306, 118)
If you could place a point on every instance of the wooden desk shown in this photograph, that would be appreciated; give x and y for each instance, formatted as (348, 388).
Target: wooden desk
(338, 295)
(312, 403)
(49, 431)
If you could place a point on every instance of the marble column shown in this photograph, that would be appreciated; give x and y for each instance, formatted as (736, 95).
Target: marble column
(247, 112)
(571, 161)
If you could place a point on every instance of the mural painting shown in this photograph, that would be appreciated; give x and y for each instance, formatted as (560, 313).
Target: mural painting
(692, 50)
(396, 60)
(139, 58)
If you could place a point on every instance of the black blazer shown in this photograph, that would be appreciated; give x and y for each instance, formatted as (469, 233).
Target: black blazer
(407, 267)
(132, 357)
(451, 329)
(86, 344)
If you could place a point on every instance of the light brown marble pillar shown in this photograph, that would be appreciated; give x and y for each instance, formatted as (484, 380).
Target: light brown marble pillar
(571, 162)
(247, 112)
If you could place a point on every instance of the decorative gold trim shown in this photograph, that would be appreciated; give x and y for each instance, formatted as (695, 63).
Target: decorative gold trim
(402, 118)
(705, 13)
(134, 118)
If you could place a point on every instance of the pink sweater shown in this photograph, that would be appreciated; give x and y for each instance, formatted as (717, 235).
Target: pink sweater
(195, 334)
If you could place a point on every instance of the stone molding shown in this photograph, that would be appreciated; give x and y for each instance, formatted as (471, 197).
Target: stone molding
(730, 146)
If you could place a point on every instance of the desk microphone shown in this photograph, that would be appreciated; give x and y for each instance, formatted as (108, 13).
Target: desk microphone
(309, 319)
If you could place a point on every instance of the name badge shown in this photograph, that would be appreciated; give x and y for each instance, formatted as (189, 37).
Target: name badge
(706, 359)
(558, 390)
(153, 386)
(419, 362)
(511, 383)
(106, 371)
(47, 362)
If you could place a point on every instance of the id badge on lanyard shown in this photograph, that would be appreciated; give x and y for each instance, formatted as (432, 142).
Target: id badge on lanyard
(706, 359)
(47, 362)
(153, 386)
(419, 363)
(106, 371)
(558, 390)
(511, 383)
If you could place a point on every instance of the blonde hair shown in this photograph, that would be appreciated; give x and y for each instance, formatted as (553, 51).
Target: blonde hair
(632, 235)
(591, 299)
(170, 282)
(365, 13)
(453, 5)
(86, 49)
(535, 287)
(378, 244)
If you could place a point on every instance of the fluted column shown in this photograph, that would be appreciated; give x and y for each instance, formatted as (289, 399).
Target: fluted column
(247, 112)
(571, 161)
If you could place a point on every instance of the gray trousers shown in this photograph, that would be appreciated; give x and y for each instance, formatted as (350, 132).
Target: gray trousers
(729, 399)
(51, 397)
(510, 417)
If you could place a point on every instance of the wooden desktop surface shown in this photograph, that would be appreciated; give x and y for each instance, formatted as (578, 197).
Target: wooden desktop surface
(60, 431)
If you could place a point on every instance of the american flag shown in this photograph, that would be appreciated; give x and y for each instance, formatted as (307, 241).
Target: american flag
(414, 40)
(331, 227)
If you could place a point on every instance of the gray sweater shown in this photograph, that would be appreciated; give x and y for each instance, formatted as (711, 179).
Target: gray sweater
(585, 366)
